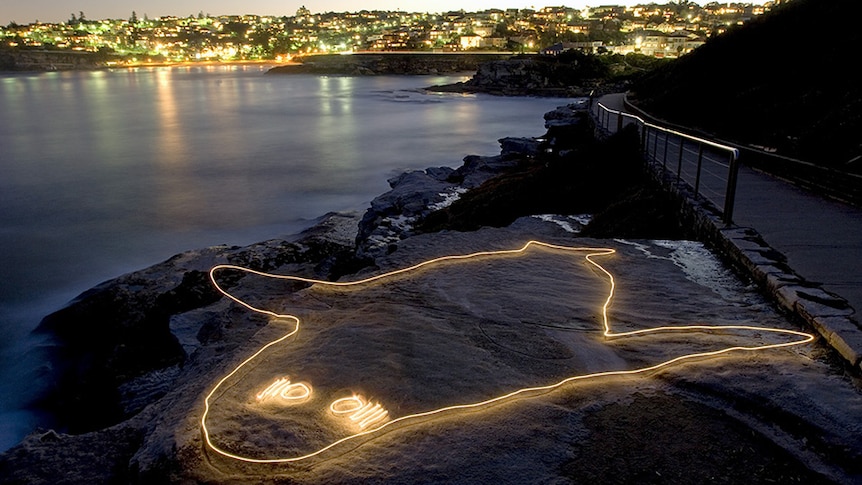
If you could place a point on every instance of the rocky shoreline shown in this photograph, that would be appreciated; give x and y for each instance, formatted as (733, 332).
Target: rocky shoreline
(50, 60)
(569, 75)
(503, 74)
(123, 346)
(135, 355)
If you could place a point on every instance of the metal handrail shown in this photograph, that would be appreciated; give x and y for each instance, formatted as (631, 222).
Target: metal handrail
(646, 128)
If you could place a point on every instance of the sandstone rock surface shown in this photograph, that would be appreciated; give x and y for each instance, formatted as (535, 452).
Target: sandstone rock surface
(448, 334)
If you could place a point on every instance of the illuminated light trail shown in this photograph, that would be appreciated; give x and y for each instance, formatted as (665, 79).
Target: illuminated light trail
(362, 410)
(365, 413)
(346, 405)
(286, 390)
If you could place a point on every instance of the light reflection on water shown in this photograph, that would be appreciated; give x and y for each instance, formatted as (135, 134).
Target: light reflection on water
(106, 172)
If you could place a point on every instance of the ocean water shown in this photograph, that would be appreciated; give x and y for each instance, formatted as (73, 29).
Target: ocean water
(106, 172)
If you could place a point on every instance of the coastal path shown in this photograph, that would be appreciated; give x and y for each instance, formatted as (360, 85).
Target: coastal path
(820, 238)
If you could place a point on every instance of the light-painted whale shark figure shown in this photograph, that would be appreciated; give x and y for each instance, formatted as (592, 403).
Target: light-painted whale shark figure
(370, 416)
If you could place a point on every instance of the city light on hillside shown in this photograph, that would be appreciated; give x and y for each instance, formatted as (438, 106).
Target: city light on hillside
(259, 37)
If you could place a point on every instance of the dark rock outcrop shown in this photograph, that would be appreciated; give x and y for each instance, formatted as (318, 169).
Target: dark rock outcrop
(571, 74)
(115, 347)
(47, 60)
(563, 172)
(567, 116)
(577, 175)
(414, 195)
(372, 64)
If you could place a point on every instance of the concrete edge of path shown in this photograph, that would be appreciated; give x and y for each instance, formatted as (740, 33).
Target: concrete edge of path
(829, 314)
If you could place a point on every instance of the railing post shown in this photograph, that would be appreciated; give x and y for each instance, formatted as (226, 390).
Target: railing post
(664, 156)
(603, 114)
(697, 175)
(644, 135)
(730, 194)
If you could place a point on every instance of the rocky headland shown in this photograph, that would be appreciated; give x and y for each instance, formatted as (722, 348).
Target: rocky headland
(120, 346)
(135, 356)
(571, 74)
(387, 63)
(50, 60)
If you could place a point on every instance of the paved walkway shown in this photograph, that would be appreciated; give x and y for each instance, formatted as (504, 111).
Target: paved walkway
(821, 238)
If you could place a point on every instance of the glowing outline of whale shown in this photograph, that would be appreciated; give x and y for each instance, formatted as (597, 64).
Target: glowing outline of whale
(607, 332)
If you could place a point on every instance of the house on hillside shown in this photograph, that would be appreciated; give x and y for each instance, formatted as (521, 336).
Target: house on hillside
(560, 47)
(659, 44)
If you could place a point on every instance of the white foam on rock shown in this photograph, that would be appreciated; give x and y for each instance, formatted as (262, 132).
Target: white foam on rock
(449, 198)
(571, 224)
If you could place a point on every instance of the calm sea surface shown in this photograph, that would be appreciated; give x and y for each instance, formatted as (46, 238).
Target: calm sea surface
(106, 172)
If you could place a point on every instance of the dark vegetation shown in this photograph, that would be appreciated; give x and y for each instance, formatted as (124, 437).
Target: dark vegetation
(782, 81)
(573, 67)
(615, 68)
(581, 175)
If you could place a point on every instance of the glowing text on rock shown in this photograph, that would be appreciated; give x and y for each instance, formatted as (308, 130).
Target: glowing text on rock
(362, 412)
(285, 390)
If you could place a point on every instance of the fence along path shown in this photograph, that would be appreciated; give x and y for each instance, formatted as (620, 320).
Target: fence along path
(710, 168)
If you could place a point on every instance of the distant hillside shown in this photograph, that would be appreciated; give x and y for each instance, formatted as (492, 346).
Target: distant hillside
(782, 81)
